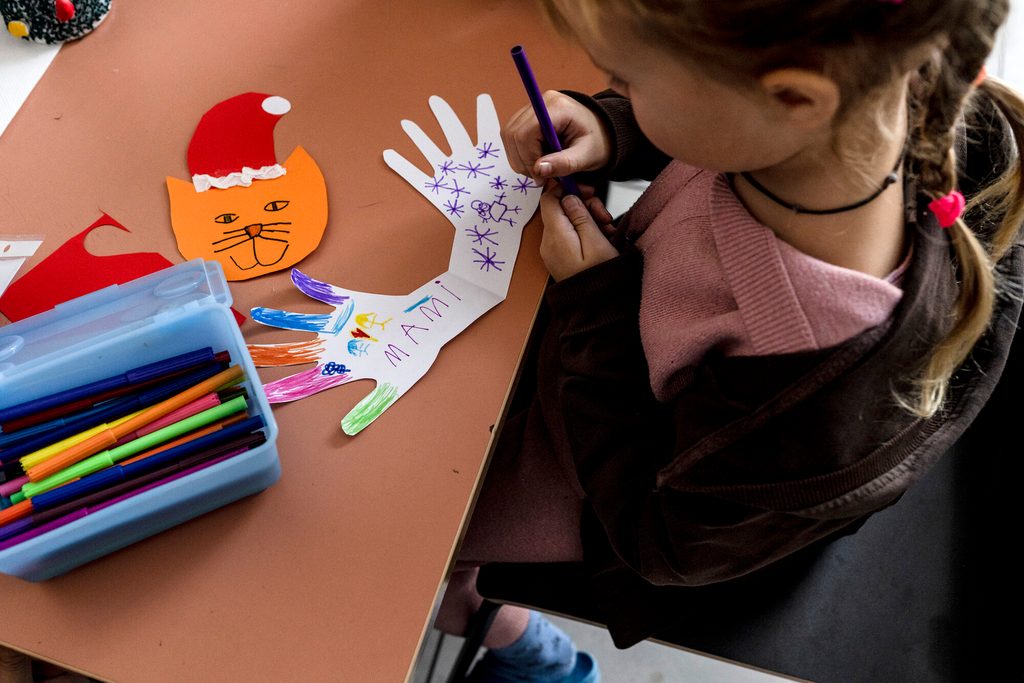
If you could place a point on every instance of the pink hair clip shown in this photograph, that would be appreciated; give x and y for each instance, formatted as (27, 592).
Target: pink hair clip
(948, 208)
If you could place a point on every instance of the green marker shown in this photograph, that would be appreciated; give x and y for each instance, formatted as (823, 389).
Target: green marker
(114, 455)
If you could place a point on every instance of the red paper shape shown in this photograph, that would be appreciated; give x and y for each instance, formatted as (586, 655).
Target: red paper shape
(72, 271)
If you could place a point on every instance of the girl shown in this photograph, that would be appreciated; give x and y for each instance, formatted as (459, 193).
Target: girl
(791, 324)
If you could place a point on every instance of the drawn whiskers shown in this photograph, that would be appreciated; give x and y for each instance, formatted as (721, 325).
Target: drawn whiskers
(250, 232)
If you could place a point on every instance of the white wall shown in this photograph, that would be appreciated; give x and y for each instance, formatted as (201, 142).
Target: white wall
(1007, 59)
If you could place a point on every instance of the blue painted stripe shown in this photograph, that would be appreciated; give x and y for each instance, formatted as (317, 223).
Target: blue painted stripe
(417, 304)
(308, 322)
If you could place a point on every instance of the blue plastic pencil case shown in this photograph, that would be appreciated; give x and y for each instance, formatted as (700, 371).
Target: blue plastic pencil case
(172, 311)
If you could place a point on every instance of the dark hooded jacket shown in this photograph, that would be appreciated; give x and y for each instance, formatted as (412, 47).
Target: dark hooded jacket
(757, 457)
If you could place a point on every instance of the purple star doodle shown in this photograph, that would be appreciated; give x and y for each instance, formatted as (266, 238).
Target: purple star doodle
(454, 208)
(499, 183)
(487, 260)
(435, 185)
(479, 237)
(455, 189)
(446, 167)
(474, 170)
(524, 185)
(487, 150)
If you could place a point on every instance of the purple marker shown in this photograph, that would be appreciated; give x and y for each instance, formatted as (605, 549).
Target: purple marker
(547, 129)
(29, 527)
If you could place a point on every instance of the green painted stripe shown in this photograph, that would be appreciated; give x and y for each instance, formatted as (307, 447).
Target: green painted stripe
(369, 409)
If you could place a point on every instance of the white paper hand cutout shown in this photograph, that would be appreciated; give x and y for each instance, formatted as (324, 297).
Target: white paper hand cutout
(395, 339)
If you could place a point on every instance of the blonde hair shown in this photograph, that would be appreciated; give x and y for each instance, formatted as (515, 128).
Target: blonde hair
(863, 45)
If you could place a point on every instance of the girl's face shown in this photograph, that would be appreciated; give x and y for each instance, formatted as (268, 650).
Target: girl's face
(690, 115)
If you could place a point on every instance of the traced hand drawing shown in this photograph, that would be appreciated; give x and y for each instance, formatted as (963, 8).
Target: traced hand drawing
(395, 339)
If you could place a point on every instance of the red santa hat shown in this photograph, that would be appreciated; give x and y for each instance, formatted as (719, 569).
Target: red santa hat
(234, 142)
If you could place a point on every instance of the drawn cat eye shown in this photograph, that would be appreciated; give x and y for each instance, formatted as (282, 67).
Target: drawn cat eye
(276, 205)
(226, 218)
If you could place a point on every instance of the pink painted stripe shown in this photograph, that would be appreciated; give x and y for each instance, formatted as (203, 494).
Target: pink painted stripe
(301, 385)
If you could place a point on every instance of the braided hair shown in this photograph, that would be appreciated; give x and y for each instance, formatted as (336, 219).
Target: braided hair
(946, 89)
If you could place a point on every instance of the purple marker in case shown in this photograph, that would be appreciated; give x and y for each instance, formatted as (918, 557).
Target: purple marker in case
(24, 529)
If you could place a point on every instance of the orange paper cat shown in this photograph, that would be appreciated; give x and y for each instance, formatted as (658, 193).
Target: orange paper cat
(242, 208)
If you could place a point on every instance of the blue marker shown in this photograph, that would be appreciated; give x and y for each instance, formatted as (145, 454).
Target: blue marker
(137, 375)
(105, 412)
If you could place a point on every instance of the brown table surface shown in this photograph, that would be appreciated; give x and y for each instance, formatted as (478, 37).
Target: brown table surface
(331, 573)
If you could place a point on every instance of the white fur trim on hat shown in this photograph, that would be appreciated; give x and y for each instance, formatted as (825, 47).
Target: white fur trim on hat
(244, 178)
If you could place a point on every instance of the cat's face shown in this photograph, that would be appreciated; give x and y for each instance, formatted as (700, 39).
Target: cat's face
(270, 225)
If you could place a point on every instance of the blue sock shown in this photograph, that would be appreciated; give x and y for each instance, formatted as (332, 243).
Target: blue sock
(543, 654)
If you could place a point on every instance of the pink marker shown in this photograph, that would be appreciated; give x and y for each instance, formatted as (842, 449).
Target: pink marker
(197, 406)
(13, 486)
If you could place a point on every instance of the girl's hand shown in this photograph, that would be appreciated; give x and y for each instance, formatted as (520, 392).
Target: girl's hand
(586, 145)
(575, 232)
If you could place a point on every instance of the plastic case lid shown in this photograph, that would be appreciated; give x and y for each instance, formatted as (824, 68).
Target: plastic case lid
(106, 313)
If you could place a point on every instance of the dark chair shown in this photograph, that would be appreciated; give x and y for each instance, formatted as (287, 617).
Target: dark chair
(925, 590)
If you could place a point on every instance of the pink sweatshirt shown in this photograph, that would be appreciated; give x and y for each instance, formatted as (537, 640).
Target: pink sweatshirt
(715, 279)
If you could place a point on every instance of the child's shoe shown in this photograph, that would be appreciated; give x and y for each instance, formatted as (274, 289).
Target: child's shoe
(585, 671)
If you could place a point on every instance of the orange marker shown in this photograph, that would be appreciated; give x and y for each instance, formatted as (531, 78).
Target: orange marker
(16, 512)
(109, 437)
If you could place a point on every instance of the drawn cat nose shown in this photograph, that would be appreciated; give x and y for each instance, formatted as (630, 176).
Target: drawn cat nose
(254, 229)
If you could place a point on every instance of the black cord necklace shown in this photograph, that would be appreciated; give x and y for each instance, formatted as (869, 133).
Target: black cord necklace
(796, 208)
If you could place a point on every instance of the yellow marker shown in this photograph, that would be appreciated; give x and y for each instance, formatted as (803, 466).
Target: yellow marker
(43, 454)
(18, 29)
